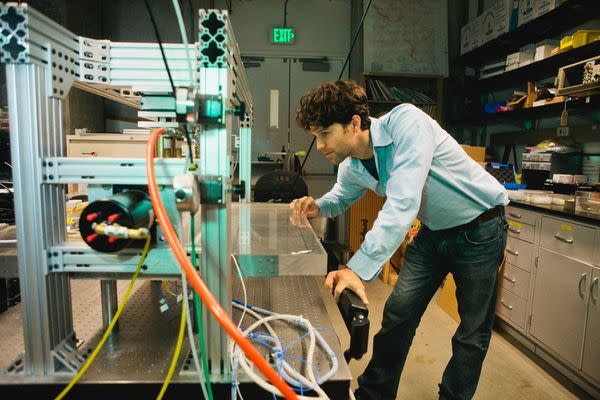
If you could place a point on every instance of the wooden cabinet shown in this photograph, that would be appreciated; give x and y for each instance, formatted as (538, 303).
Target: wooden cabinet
(559, 304)
(591, 350)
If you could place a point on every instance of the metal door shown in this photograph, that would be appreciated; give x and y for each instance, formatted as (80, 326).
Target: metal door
(307, 74)
(560, 304)
(267, 74)
(591, 350)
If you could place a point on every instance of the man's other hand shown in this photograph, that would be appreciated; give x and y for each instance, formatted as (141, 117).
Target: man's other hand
(306, 206)
(344, 278)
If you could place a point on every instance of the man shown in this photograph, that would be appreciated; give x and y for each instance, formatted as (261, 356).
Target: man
(424, 173)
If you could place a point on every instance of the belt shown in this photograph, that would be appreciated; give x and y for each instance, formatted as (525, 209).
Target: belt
(487, 215)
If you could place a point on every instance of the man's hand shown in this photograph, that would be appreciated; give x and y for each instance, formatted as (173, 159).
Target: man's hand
(306, 206)
(344, 278)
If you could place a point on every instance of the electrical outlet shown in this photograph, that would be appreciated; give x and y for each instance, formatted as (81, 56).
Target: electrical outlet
(562, 131)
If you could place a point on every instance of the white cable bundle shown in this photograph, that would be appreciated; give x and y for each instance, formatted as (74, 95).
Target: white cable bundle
(288, 372)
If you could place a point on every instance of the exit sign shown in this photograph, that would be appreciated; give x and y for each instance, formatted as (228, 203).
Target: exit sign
(283, 35)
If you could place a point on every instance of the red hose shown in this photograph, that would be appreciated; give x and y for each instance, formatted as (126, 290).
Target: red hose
(197, 283)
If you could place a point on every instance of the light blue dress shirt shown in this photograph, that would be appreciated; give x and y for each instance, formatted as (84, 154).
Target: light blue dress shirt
(424, 173)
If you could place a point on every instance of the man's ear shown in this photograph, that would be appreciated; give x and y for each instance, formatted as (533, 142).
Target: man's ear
(356, 123)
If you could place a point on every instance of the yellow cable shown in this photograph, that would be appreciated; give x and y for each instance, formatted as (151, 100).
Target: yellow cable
(110, 327)
(177, 351)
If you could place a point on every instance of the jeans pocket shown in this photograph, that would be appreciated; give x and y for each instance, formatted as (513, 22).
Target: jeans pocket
(485, 232)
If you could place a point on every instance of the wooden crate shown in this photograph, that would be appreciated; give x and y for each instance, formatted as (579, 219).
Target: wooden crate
(570, 80)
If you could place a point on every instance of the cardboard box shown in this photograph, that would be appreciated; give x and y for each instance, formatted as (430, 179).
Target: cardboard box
(447, 298)
(527, 11)
(522, 57)
(487, 24)
(518, 59)
(543, 51)
(476, 153)
(543, 6)
(470, 36)
(506, 13)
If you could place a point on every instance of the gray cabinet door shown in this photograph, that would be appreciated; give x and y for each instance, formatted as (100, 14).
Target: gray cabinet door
(591, 350)
(560, 304)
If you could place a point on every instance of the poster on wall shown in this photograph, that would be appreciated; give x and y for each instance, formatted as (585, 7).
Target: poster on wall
(407, 36)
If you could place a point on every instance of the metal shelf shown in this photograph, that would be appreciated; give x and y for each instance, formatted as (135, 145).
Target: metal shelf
(538, 70)
(567, 15)
(579, 106)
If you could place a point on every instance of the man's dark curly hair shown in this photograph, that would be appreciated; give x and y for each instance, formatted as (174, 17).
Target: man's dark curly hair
(333, 102)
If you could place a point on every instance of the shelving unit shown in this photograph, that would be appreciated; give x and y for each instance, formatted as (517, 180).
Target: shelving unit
(539, 70)
(574, 107)
(429, 85)
(568, 15)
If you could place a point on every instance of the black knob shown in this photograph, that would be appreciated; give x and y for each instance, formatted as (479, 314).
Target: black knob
(240, 189)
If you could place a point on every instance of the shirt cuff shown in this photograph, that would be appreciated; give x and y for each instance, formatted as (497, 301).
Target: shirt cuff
(364, 266)
(323, 209)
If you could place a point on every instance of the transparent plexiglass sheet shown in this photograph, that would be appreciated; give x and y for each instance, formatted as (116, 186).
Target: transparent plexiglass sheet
(267, 242)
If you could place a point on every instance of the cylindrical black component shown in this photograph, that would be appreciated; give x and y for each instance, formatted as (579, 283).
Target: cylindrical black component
(131, 209)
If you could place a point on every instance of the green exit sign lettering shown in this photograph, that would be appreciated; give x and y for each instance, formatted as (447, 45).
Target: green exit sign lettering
(283, 36)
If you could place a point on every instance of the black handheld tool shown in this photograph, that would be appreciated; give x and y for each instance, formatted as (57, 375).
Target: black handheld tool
(355, 314)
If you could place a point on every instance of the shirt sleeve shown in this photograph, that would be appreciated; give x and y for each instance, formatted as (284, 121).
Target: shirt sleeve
(413, 148)
(343, 194)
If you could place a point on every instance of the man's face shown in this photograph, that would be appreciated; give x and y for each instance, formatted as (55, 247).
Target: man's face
(335, 142)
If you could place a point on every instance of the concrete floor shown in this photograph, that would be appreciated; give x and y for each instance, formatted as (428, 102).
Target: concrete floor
(507, 372)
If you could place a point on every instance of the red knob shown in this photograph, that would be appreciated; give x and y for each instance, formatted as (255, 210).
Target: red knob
(91, 217)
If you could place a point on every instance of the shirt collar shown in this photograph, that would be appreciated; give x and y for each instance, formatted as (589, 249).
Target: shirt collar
(379, 135)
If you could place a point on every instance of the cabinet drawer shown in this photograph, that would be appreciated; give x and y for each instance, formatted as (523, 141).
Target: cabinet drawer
(516, 280)
(567, 238)
(519, 253)
(511, 306)
(523, 216)
(521, 231)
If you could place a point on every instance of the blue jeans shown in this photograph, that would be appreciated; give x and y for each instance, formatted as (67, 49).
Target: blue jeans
(473, 255)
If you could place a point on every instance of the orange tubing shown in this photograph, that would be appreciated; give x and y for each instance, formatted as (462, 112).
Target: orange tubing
(197, 283)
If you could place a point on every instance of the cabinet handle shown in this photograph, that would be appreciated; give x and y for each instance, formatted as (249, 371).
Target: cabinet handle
(582, 279)
(514, 230)
(592, 286)
(513, 252)
(506, 305)
(508, 278)
(515, 215)
(570, 241)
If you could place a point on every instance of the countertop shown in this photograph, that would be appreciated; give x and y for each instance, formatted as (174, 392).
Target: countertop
(560, 211)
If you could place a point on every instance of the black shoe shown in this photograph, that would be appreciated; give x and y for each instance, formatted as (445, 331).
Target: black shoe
(361, 394)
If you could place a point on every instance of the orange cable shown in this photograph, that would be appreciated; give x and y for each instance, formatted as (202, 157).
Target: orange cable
(197, 283)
